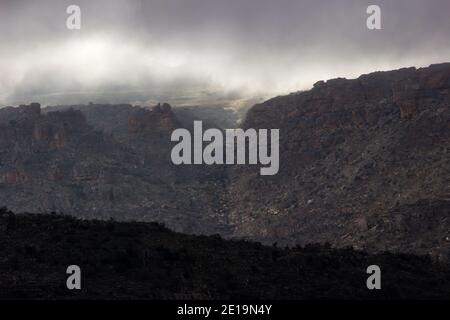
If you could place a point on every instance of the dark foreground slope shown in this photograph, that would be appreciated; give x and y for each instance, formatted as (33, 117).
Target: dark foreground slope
(145, 260)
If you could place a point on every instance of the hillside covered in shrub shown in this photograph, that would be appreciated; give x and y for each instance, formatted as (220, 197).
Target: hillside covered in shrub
(136, 260)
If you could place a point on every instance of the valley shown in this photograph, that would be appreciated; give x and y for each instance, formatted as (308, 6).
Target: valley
(363, 163)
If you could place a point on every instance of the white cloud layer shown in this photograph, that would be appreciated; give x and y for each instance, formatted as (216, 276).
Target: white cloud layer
(175, 48)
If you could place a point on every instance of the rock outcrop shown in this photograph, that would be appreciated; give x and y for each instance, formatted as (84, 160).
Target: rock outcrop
(363, 162)
(108, 162)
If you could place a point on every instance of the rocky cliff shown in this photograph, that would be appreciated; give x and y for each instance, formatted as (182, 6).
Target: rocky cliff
(363, 162)
(110, 162)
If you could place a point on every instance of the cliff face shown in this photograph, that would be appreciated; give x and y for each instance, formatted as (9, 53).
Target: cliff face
(118, 168)
(363, 162)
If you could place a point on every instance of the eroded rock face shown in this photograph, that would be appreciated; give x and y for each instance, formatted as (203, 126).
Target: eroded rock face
(158, 120)
(120, 168)
(352, 151)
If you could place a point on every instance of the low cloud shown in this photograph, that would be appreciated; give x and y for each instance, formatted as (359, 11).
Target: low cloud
(197, 51)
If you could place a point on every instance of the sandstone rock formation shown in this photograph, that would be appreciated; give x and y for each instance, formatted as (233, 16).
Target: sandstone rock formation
(119, 168)
(363, 162)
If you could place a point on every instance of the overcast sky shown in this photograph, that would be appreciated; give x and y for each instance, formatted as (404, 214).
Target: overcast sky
(189, 50)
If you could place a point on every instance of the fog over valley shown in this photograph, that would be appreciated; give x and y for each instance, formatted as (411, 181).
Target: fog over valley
(205, 52)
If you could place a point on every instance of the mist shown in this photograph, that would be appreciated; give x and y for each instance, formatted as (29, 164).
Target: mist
(206, 52)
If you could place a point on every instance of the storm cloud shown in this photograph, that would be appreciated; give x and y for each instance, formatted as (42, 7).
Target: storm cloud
(197, 51)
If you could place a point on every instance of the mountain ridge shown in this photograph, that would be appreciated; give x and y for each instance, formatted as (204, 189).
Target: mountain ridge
(363, 162)
(351, 151)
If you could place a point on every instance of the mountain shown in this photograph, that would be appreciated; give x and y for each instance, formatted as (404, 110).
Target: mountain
(136, 260)
(110, 162)
(363, 162)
